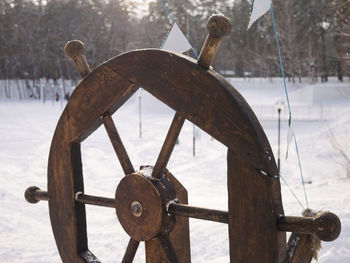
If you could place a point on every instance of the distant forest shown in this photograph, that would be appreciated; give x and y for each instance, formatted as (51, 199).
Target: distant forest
(314, 35)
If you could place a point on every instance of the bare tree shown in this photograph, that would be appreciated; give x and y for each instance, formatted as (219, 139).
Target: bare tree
(339, 143)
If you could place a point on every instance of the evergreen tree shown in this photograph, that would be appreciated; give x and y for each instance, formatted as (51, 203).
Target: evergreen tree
(314, 35)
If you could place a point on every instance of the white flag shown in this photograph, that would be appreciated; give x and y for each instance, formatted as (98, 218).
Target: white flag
(259, 8)
(176, 40)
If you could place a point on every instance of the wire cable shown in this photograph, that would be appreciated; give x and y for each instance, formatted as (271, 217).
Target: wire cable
(287, 98)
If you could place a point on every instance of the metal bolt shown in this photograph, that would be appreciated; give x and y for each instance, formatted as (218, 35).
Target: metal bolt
(136, 208)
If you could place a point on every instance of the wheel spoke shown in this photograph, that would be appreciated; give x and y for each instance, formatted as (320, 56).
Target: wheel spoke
(168, 145)
(130, 251)
(168, 249)
(198, 212)
(118, 144)
(95, 200)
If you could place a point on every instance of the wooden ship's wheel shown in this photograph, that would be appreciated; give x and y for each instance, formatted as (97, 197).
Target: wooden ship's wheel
(150, 203)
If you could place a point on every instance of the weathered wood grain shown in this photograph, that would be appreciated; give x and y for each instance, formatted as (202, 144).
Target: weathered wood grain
(168, 249)
(135, 187)
(201, 96)
(95, 200)
(180, 234)
(299, 248)
(218, 26)
(130, 251)
(168, 146)
(118, 145)
(254, 206)
(75, 50)
(198, 212)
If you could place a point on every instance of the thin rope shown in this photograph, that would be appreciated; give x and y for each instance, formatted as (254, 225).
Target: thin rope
(166, 11)
(301, 170)
(173, 22)
(194, 52)
(290, 189)
(287, 97)
(280, 58)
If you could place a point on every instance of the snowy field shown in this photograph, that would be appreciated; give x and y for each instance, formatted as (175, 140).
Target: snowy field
(27, 128)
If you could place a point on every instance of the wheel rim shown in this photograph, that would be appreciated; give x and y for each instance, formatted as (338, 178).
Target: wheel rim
(201, 96)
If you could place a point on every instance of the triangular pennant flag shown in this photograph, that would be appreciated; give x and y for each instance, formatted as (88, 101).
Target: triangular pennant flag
(290, 135)
(259, 8)
(176, 40)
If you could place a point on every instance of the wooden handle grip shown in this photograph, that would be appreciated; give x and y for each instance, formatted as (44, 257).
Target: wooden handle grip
(33, 195)
(325, 225)
(75, 50)
(218, 26)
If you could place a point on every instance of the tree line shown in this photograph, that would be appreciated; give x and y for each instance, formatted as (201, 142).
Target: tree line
(313, 34)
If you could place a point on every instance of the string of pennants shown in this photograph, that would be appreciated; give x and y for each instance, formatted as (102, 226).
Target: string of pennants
(176, 41)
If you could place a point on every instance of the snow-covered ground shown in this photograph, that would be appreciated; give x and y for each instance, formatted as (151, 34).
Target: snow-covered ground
(27, 128)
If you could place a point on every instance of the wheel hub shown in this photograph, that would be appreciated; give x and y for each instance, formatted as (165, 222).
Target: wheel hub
(141, 202)
(136, 208)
